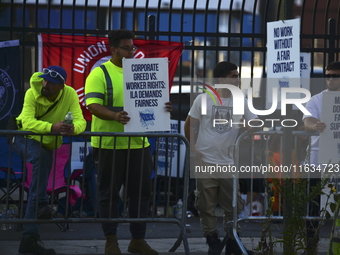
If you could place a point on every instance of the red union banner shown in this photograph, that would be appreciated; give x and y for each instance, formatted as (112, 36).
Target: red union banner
(80, 54)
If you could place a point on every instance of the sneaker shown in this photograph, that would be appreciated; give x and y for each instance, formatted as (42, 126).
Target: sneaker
(45, 212)
(32, 245)
(141, 247)
(214, 243)
(232, 248)
(111, 245)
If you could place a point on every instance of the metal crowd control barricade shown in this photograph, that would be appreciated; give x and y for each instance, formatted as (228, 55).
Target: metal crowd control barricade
(171, 139)
(258, 145)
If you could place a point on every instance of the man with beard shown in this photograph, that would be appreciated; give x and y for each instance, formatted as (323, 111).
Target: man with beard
(119, 160)
(313, 124)
(46, 104)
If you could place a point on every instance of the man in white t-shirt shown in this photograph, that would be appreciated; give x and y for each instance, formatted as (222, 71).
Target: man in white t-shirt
(213, 145)
(313, 124)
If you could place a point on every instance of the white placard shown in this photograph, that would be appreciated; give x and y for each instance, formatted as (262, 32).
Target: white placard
(329, 142)
(283, 57)
(78, 154)
(176, 152)
(146, 90)
(305, 70)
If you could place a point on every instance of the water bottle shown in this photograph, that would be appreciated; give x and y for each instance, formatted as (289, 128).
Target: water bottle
(179, 209)
(68, 118)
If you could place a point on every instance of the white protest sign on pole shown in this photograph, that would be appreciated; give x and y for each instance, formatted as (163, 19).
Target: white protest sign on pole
(283, 57)
(78, 154)
(146, 90)
(305, 70)
(329, 141)
(175, 149)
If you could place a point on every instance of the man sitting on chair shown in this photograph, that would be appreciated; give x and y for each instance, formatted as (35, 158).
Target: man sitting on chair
(46, 104)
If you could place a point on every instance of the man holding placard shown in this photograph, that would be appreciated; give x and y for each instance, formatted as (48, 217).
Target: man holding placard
(313, 124)
(121, 157)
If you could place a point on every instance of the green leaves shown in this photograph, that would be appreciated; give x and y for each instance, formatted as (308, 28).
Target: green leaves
(332, 206)
(300, 194)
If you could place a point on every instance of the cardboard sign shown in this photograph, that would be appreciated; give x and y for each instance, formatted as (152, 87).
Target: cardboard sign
(146, 90)
(175, 150)
(329, 142)
(283, 56)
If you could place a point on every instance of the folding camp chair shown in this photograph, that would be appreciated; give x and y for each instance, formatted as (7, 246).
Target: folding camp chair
(57, 184)
(11, 177)
(10, 181)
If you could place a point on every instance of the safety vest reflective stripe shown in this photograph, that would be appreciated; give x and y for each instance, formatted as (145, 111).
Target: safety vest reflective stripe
(94, 95)
(108, 86)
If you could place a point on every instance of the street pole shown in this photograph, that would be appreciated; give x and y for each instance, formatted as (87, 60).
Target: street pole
(288, 245)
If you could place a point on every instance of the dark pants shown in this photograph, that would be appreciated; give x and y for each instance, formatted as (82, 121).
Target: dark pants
(133, 169)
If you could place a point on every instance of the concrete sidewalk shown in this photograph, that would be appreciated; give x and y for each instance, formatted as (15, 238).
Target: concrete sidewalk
(88, 238)
(83, 247)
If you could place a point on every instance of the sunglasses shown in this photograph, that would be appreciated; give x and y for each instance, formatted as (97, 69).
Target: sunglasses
(53, 73)
(334, 76)
(127, 48)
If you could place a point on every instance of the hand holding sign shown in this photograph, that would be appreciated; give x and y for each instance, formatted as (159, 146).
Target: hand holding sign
(320, 126)
(122, 117)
